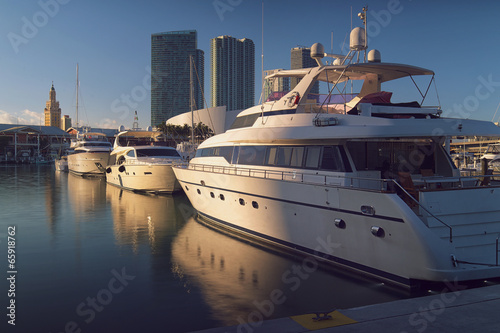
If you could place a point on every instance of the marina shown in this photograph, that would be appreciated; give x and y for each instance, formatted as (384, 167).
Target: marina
(350, 197)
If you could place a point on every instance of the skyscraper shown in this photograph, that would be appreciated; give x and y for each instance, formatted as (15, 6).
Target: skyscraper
(233, 72)
(52, 111)
(170, 74)
(300, 57)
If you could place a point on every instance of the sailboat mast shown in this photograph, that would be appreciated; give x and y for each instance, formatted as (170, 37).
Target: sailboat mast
(77, 97)
(191, 95)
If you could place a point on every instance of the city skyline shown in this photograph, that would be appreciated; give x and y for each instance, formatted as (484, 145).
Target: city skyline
(43, 41)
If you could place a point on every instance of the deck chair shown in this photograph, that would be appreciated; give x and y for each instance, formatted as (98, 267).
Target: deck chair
(407, 183)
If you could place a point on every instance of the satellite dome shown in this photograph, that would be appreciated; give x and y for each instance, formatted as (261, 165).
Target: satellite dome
(357, 39)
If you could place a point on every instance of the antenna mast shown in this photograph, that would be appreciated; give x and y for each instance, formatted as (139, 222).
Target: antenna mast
(77, 88)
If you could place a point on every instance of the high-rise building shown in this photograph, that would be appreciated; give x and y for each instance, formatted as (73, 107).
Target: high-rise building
(170, 74)
(65, 122)
(52, 110)
(233, 72)
(300, 57)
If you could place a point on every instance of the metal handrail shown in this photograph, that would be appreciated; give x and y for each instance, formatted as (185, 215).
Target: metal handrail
(426, 210)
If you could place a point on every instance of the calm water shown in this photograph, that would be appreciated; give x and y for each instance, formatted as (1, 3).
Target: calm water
(92, 257)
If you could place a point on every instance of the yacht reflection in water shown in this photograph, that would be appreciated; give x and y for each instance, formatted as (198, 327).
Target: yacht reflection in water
(142, 218)
(243, 282)
(86, 196)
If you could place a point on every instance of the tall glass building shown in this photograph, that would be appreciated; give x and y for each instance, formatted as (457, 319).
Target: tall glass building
(170, 74)
(233, 72)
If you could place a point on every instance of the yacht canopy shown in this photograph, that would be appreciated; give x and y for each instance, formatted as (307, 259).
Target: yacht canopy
(385, 71)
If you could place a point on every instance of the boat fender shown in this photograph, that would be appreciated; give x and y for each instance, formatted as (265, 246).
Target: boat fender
(121, 168)
(108, 170)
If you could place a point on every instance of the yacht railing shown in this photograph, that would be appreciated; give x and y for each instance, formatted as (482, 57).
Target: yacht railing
(425, 209)
(152, 160)
(365, 183)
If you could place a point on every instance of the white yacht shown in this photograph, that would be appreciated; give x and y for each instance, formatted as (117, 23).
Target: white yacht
(90, 154)
(142, 161)
(352, 179)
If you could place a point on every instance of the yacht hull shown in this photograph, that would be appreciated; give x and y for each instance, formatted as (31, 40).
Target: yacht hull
(327, 223)
(92, 163)
(146, 178)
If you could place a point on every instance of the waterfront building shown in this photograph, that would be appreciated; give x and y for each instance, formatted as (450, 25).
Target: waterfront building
(300, 57)
(170, 74)
(52, 110)
(65, 122)
(232, 72)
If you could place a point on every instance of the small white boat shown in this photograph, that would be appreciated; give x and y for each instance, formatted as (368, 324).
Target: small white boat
(90, 155)
(142, 161)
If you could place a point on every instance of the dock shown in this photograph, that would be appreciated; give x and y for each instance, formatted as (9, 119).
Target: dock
(458, 310)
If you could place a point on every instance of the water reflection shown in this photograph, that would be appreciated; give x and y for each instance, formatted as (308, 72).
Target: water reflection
(242, 282)
(142, 218)
(86, 195)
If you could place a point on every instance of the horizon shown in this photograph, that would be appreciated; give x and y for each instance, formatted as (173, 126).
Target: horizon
(44, 40)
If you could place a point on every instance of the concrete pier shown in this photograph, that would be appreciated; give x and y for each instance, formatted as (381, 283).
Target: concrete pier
(459, 310)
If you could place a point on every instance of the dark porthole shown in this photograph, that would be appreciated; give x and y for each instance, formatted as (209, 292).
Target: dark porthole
(221, 196)
(255, 205)
(242, 202)
(212, 194)
(198, 190)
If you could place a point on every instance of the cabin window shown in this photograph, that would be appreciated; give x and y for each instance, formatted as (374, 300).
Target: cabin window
(331, 159)
(253, 155)
(297, 156)
(131, 153)
(312, 157)
(284, 156)
(272, 154)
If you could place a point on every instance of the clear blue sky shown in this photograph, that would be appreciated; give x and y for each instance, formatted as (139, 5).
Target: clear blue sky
(42, 41)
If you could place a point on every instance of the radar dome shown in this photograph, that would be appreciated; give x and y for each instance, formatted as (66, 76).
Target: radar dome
(374, 56)
(357, 39)
(121, 128)
(317, 51)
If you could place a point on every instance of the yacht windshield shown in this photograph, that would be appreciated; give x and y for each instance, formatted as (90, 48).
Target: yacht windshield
(157, 152)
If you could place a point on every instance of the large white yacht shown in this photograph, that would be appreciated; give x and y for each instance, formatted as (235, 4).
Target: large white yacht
(142, 161)
(90, 154)
(350, 178)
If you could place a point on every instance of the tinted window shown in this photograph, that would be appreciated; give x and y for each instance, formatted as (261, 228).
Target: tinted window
(252, 155)
(312, 157)
(284, 155)
(157, 152)
(331, 159)
(297, 155)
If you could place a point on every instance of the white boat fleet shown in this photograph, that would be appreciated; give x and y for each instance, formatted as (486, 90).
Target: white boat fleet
(351, 179)
(348, 178)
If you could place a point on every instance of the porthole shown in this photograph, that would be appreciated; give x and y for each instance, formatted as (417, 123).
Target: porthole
(221, 196)
(255, 205)
(187, 188)
(212, 194)
(242, 202)
(198, 190)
